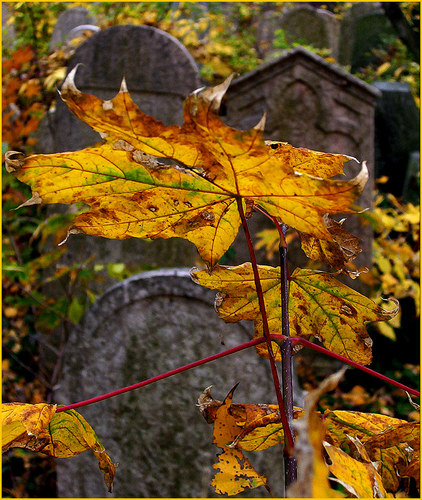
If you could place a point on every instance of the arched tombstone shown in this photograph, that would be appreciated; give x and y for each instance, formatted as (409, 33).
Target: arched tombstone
(66, 23)
(158, 69)
(160, 73)
(300, 23)
(148, 324)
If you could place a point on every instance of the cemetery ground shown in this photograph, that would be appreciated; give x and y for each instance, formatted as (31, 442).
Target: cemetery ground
(48, 289)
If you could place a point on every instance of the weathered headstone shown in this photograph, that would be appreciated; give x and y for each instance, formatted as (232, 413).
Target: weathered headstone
(66, 22)
(159, 73)
(317, 27)
(158, 70)
(363, 30)
(301, 23)
(311, 103)
(396, 133)
(149, 324)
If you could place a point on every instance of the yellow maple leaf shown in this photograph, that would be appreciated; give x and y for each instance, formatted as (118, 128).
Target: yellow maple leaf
(360, 479)
(386, 440)
(319, 305)
(153, 180)
(37, 427)
(25, 425)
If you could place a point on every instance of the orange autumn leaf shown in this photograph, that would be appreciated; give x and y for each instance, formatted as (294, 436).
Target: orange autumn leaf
(18, 58)
(10, 90)
(258, 425)
(244, 414)
(319, 306)
(234, 471)
(37, 427)
(30, 89)
(152, 180)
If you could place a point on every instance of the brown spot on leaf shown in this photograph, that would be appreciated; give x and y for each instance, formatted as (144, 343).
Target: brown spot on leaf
(302, 308)
(348, 310)
(208, 216)
(122, 145)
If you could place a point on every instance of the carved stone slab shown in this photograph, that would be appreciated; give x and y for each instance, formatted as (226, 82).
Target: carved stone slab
(149, 324)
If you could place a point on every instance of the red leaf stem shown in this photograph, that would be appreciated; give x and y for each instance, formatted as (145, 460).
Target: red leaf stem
(251, 343)
(163, 375)
(277, 224)
(306, 343)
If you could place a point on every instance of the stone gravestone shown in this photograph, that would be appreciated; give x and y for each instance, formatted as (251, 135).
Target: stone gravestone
(314, 104)
(396, 133)
(412, 179)
(66, 22)
(303, 23)
(363, 29)
(159, 73)
(158, 69)
(149, 324)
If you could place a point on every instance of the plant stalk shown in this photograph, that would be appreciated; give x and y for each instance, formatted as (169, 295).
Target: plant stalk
(289, 441)
(290, 464)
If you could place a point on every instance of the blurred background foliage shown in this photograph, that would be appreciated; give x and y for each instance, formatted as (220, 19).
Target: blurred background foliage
(222, 41)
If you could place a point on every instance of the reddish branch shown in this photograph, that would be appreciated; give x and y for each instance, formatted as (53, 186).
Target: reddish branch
(280, 338)
(163, 375)
(306, 343)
